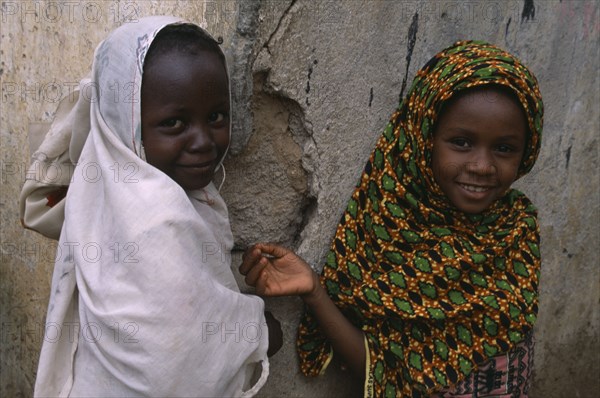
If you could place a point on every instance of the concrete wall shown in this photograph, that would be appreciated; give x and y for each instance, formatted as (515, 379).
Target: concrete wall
(314, 83)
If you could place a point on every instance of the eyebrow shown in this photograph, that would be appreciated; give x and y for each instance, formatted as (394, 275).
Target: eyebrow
(458, 129)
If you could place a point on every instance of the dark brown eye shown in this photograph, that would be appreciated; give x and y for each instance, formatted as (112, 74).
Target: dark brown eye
(461, 142)
(505, 148)
(173, 123)
(217, 117)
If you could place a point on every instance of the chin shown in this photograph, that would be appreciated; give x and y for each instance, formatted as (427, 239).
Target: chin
(195, 181)
(193, 186)
(474, 209)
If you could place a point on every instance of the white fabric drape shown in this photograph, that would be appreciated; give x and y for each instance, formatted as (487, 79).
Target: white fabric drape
(143, 300)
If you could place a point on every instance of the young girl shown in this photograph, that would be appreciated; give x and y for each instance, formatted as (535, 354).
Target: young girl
(430, 287)
(143, 301)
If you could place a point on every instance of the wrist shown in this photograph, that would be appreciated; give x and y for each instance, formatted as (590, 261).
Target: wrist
(316, 293)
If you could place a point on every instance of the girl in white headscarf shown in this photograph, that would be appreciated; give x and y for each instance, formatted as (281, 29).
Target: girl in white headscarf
(143, 300)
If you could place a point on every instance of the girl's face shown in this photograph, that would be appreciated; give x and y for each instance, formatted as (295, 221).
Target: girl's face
(185, 116)
(478, 145)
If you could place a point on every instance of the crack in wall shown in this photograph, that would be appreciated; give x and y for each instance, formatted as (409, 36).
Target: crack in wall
(410, 46)
(240, 71)
(528, 11)
(279, 23)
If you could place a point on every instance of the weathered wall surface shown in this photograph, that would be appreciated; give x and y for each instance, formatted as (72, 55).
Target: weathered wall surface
(314, 84)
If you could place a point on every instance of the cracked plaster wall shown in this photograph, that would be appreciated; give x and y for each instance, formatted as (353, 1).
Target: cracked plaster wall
(313, 85)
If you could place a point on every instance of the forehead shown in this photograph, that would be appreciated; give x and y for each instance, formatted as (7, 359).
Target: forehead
(486, 95)
(485, 103)
(176, 70)
(483, 114)
(173, 60)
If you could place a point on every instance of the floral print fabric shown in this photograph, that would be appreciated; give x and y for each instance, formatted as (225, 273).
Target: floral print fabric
(436, 292)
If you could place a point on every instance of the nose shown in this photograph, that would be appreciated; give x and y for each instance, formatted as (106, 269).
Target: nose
(200, 139)
(482, 164)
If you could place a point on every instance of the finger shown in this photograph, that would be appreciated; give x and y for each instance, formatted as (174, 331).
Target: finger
(249, 250)
(251, 257)
(273, 249)
(255, 272)
(262, 283)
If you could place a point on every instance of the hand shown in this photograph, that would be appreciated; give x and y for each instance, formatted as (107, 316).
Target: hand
(275, 334)
(277, 271)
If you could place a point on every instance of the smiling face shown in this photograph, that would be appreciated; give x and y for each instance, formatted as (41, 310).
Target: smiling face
(185, 115)
(478, 145)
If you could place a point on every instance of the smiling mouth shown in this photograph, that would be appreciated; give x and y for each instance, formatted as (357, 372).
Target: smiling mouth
(474, 188)
(197, 165)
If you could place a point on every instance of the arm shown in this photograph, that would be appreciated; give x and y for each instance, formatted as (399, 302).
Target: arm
(276, 271)
(275, 334)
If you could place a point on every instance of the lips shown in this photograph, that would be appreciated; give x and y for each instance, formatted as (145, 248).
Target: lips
(199, 165)
(475, 188)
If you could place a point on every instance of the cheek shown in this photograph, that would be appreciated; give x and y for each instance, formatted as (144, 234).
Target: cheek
(160, 151)
(511, 173)
(437, 162)
(444, 168)
(222, 140)
(436, 168)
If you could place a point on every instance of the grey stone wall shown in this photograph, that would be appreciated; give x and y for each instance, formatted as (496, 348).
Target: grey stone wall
(314, 82)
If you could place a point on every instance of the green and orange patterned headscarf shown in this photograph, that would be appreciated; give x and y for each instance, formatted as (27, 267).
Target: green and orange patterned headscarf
(435, 291)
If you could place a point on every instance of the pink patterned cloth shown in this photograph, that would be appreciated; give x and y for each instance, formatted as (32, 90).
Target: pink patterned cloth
(503, 376)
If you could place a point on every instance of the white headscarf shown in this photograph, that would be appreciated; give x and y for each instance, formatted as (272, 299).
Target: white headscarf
(143, 299)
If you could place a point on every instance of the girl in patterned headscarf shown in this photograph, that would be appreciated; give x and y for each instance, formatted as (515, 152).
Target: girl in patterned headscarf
(430, 286)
